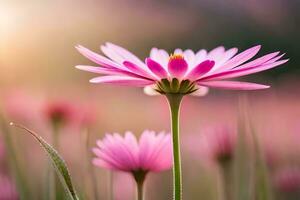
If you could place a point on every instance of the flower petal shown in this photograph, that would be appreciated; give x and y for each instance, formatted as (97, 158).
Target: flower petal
(202, 91)
(189, 56)
(160, 56)
(122, 80)
(156, 68)
(109, 71)
(216, 54)
(98, 70)
(240, 58)
(259, 61)
(101, 60)
(233, 85)
(149, 90)
(127, 55)
(177, 67)
(200, 56)
(138, 70)
(199, 70)
(242, 72)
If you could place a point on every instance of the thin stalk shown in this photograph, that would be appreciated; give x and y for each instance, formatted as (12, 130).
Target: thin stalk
(140, 190)
(89, 165)
(111, 185)
(55, 182)
(226, 179)
(174, 103)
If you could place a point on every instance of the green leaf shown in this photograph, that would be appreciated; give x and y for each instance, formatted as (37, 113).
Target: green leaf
(57, 161)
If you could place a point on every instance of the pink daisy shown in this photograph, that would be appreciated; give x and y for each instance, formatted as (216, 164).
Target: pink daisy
(8, 189)
(287, 179)
(152, 153)
(183, 71)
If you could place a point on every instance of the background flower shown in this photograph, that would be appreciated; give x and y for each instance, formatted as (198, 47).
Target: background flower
(152, 153)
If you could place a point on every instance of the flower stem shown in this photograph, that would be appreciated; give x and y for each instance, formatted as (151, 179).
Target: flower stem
(174, 103)
(139, 177)
(140, 190)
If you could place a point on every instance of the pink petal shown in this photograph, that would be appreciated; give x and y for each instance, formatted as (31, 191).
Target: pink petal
(226, 56)
(200, 56)
(101, 60)
(138, 70)
(274, 59)
(160, 56)
(112, 54)
(177, 67)
(189, 56)
(242, 72)
(101, 163)
(178, 51)
(259, 61)
(126, 54)
(233, 85)
(109, 71)
(200, 70)
(122, 80)
(216, 53)
(156, 68)
(98, 70)
(240, 58)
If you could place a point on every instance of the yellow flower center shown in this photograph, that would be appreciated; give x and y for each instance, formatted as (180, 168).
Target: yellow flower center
(176, 56)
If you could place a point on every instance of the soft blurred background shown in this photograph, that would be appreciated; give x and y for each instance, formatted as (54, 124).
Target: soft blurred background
(37, 59)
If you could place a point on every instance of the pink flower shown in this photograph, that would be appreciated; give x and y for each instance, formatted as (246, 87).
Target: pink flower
(287, 179)
(63, 113)
(152, 153)
(182, 72)
(8, 190)
(59, 112)
(218, 144)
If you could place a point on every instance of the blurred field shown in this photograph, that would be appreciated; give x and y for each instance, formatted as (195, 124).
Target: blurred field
(37, 59)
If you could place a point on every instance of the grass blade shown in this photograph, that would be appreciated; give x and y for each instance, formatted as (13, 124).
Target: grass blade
(58, 163)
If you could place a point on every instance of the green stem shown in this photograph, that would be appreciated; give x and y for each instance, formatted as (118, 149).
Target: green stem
(111, 185)
(174, 103)
(55, 182)
(140, 190)
(226, 179)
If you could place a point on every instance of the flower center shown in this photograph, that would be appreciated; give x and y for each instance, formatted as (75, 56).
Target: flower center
(177, 66)
(174, 86)
(176, 56)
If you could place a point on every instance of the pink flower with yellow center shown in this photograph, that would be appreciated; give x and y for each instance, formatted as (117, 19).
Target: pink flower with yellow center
(183, 72)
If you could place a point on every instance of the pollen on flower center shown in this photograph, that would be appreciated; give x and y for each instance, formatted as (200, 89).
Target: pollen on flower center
(175, 56)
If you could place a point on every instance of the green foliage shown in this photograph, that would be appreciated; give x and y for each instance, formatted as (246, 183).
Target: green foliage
(58, 163)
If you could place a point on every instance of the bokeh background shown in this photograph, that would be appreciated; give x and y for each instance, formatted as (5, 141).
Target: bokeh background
(37, 59)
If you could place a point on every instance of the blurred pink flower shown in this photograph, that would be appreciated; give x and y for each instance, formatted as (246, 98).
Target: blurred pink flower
(216, 144)
(59, 112)
(183, 72)
(21, 106)
(65, 113)
(152, 153)
(287, 179)
(7, 189)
